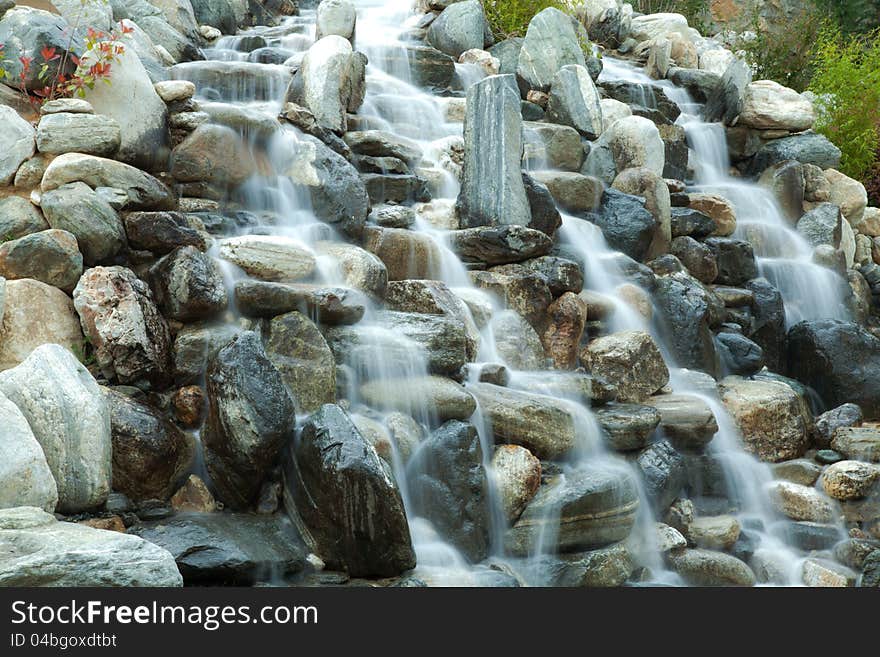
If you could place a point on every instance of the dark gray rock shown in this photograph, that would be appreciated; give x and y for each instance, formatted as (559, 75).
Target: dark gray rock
(736, 260)
(627, 427)
(684, 309)
(229, 548)
(727, 104)
(338, 492)
(845, 415)
(643, 95)
(545, 216)
(691, 223)
(739, 354)
(499, 245)
(448, 486)
(250, 418)
(839, 360)
(768, 313)
(627, 225)
(150, 454)
(162, 232)
(806, 148)
(328, 305)
(664, 473)
(188, 285)
(461, 26)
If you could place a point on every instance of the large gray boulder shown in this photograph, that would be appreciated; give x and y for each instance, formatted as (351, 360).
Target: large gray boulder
(25, 476)
(344, 500)
(67, 132)
(250, 418)
(16, 143)
(131, 339)
(40, 551)
(76, 208)
(24, 32)
(134, 104)
(461, 26)
(449, 487)
(339, 195)
(492, 190)
(188, 285)
(337, 17)
(574, 101)
(68, 415)
(550, 43)
(50, 256)
(228, 548)
(839, 360)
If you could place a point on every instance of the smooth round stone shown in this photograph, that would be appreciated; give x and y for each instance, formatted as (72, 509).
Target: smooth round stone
(584, 509)
(68, 106)
(828, 456)
(809, 536)
(628, 426)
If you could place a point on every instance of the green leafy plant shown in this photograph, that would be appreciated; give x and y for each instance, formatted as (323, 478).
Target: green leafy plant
(784, 56)
(846, 81)
(853, 16)
(510, 18)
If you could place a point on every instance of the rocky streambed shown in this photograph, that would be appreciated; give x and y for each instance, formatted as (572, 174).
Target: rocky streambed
(354, 293)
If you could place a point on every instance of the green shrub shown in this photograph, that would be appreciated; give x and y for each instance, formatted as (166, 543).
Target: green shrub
(510, 18)
(784, 53)
(846, 81)
(853, 16)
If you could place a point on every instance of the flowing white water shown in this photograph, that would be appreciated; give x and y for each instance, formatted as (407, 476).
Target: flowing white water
(388, 360)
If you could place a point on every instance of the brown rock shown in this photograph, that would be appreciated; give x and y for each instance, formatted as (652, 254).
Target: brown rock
(193, 496)
(189, 406)
(568, 317)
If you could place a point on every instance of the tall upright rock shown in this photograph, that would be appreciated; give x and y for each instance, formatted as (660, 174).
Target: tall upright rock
(492, 189)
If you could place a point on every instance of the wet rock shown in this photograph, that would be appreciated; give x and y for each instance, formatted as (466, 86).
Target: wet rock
(228, 548)
(162, 232)
(328, 305)
(134, 104)
(664, 473)
(572, 191)
(685, 309)
(714, 532)
(769, 321)
(592, 509)
(339, 195)
(45, 552)
(25, 477)
(449, 487)
(552, 146)
(574, 101)
(871, 572)
(20, 217)
(627, 427)
(800, 502)
(626, 224)
(188, 285)
(824, 573)
(461, 26)
(707, 568)
(498, 245)
(839, 360)
(849, 480)
(806, 148)
(630, 361)
(250, 418)
(669, 538)
(50, 256)
(517, 476)
(545, 215)
(858, 443)
(69, 418)
(635, 142)
(492, 188)
(735, 258)
(438, 396)
(645, 183)
(516, 341)
(698, 258)
(194, 346)
(405, 254)
(143, 191)
(562, 338)
(812, 535)
(341, 496)
(330, 82)
(150, 454)
(81, 212)
(213, 154)
(77, 133)
(269, 258)
(131, 340)
(359, 269)
(739, 354)
(442, 339)
(337, 17)
(727, 104)
(605, 567)
(718, 209)
(685, 419)
(541, 424)
(299, 352)
(189, 406)
(17, 143)
(194, 496)
(550, 43)
(797, 471)
(774, 421)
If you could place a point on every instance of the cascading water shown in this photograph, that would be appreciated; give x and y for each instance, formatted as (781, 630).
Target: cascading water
(236, 88)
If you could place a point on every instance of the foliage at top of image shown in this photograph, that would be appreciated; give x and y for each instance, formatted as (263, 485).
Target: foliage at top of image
(510, 18)
(846, 81)
(696, 11)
